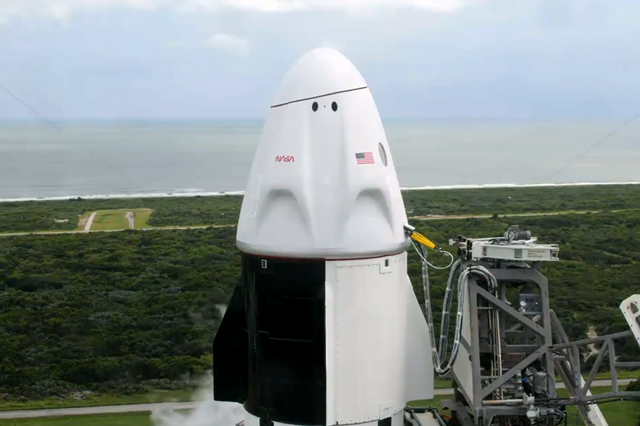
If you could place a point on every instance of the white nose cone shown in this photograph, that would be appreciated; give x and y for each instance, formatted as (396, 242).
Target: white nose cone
(323, 183)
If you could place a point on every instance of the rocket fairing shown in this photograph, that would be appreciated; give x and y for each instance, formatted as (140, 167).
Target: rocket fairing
(323, 327)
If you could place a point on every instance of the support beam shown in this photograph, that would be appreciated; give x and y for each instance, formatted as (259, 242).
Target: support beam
(509, 310)
(594, 370)
(599, 339)
(626, 364)
(512, 372)
(604, 396)
(612, 360)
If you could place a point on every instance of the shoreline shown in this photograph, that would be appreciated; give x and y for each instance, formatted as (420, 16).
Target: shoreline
(238, 193)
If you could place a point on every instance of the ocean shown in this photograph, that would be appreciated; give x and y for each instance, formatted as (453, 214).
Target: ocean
(84, 159)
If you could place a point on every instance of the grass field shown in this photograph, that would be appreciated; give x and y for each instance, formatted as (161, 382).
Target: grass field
(107, 220)
(110, 219)
(97, 400)
(142, 218)
(128, 419)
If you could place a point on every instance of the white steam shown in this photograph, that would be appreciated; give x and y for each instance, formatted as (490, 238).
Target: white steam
(207, 412)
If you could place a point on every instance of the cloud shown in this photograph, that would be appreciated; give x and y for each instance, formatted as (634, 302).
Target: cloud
(230, 44)
(63, 9)
(337, 5)
(173, 45)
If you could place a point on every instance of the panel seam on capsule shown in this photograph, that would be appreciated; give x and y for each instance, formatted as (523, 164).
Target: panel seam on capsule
(319, 96)
(320, 259)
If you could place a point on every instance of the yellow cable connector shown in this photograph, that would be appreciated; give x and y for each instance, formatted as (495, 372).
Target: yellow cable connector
(419, 238)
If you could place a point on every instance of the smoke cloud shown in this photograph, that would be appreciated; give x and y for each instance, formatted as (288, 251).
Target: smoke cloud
(207, 413)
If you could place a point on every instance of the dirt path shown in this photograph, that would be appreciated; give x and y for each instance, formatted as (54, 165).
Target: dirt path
(131, 218)
(488, 216)
(87, 226)
(163, 228)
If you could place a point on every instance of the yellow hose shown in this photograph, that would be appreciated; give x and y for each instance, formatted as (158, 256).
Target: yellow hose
(419, 238)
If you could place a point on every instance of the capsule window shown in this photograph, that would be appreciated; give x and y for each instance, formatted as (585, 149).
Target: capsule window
(334, 106)
(314, 107)
(383, 154)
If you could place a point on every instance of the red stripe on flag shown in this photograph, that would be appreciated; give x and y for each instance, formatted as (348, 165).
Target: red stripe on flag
(365, 158)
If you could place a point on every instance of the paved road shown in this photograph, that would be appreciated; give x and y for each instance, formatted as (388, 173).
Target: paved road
(110, 409)
(487, 216)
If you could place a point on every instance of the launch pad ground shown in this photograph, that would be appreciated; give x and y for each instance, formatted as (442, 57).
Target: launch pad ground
(620, 413)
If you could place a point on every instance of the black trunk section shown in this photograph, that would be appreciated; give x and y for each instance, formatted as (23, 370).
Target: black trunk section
(230, 349)
(278, 370)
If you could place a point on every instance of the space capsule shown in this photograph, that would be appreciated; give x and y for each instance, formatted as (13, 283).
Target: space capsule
(323, 327)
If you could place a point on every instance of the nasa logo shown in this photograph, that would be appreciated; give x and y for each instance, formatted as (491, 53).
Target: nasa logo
(285, 159)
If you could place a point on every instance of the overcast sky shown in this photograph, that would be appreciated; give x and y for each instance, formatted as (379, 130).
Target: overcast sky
(432, 59)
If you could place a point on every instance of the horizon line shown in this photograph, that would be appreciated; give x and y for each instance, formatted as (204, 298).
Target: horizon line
(241, 192)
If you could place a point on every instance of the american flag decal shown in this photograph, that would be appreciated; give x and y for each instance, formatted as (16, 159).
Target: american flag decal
(365, 158)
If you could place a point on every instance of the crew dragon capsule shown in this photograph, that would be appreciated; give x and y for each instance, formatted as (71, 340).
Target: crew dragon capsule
(323, 327)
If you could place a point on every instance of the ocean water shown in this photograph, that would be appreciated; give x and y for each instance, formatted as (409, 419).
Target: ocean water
(130, 158)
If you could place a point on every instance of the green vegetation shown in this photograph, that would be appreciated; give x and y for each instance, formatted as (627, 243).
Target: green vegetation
(127, 311)
(521, 200)
(98, 399)
(189, 211)
(185, 211)
(141, 218)
(117, 219)
(129, 419)
(130, 312)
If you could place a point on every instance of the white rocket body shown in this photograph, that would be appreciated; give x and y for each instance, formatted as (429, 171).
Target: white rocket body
(324, 307)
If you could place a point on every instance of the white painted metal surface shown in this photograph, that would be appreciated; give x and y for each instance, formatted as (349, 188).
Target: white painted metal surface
(595, 414)
(308, 194)
(630, 308)
(378, 351)
(319, 72)
(462, 365)
(519, 251)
